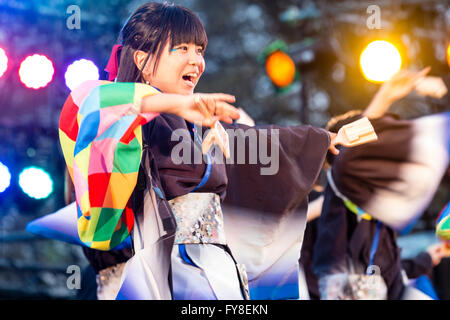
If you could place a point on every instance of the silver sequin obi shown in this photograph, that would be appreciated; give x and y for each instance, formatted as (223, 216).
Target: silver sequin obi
(199, 218)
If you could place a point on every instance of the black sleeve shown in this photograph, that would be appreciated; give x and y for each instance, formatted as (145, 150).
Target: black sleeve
(331, 245)
(100, 260)
(280, 185)
(417, 266)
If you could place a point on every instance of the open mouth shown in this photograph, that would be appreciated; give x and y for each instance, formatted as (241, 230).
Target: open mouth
(190, 78)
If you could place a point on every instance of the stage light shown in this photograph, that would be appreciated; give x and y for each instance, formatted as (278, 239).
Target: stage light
(277, 60)
(448, 55)
(80, 71)
(280, 68)
(36, 71)
(3, 62)
(5, 177)
(379, 61)
(36, 183)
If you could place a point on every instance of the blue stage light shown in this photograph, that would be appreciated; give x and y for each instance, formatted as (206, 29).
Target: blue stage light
(5, 177)
(36, 183)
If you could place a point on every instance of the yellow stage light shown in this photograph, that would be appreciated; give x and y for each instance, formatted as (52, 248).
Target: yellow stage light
(379, 61)
(280, 68)
(448, 55)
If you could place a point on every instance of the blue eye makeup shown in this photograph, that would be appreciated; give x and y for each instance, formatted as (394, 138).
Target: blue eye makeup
(202, 51)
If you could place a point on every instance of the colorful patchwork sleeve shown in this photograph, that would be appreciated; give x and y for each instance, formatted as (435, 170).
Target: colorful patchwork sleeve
(101, 138)
(443, 223)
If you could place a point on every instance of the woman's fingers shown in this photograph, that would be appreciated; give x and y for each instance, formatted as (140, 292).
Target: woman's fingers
(209, 122)
(420, 75)
(217, 104)
(223, 97)
(202, 104)
(333, 149)
(404, 77)
(227, 120)
(423, 72)
(225, 109)
(333, 142)
(411, 77)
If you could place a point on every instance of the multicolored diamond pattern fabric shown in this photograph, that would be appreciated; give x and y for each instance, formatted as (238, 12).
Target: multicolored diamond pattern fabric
(101, 138)
(443, 223)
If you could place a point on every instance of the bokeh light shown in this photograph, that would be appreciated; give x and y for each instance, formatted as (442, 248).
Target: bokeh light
(379, 61)
(80, 71)
(36, 183)
(3, 62)
(448, 55)
(280, 68)
(5, 177)
(36, 71)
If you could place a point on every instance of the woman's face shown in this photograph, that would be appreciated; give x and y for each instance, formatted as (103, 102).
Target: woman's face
(178, 70)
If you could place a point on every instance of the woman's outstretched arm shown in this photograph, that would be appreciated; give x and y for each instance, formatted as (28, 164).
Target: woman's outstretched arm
(392, 90)
(197, 108)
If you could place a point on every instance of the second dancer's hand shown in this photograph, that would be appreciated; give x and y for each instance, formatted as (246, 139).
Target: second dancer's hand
(332, 148)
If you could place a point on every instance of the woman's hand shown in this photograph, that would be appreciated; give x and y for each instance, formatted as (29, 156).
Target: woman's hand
(201, 108)
(333, 143)
(401, 84)
(436, 252)
(398, 86)
(215, 106)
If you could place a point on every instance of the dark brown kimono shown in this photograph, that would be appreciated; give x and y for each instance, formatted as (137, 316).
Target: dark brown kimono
(242, 187)
(393, 180)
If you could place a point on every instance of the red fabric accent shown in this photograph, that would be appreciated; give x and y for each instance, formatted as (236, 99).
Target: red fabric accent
(129, 134)
(128, 216)
(68, 119)
(113, 63)
(98, 182)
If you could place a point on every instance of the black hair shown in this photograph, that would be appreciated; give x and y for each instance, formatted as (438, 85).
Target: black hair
(149, 28)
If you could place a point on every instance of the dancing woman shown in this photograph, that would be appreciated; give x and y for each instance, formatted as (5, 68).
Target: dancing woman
(161, 59)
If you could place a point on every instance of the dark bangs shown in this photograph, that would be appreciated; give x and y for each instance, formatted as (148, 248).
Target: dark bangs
(149, 28)
(185, 27)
